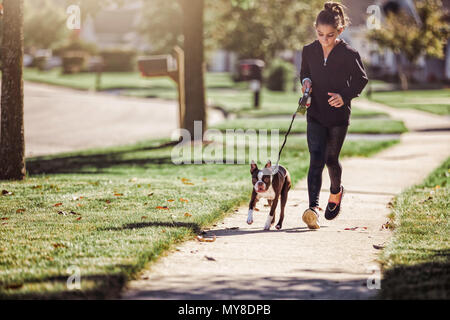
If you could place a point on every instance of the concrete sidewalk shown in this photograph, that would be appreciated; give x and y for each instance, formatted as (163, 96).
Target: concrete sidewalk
(246, 262)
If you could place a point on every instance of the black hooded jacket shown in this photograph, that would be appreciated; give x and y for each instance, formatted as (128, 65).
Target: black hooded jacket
(343, 73)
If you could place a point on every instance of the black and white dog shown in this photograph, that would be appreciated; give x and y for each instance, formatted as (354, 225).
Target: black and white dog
(270, 183)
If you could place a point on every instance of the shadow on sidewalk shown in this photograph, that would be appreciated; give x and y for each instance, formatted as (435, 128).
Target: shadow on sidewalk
(246, 287)
(240, 232)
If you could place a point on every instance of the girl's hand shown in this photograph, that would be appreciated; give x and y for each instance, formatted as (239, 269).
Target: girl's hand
(307, 84)
(335, 100)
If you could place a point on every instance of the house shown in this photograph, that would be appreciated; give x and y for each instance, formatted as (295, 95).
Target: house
(114, 28)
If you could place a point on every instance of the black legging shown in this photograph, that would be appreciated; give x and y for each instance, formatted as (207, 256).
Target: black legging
(324, 144)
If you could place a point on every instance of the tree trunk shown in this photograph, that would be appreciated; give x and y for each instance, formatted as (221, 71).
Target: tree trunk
(401, 72)
(194, 66)
(12, 142)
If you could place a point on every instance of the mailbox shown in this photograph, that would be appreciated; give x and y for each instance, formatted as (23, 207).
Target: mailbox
(157, 65)
(167, 65)
(250, 69)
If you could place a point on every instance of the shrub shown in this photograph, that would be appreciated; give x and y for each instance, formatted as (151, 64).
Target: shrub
(279, 75)
(118, 60)
(73, 62)
(75, 45)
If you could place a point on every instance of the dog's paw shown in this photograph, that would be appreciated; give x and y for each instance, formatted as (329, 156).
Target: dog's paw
(268, 223)
(250, 217)
(278, 227)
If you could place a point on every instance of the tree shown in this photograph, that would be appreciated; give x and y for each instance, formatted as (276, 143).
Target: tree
(12, 142)
(259, 29)
(162, 25)
(401, 34)
(252, 28)
(194, 65)
(44, 24)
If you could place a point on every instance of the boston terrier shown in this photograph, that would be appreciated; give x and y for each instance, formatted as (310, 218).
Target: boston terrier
(269, 183)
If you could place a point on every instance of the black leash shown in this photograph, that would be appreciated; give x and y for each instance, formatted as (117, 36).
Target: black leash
(302, 106)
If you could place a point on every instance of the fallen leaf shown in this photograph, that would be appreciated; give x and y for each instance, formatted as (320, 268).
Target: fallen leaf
(118, 194)
(73, 212)
(20, 210)
(256, 209)
(108, 201)
(162, 207)
(352, 229)
(79, 205)
(378, 247)
(79, 218)
(144, 217)
(171, 200)
(150, 194)
(5, 218)
(202, 239)
(187, 214)
(58, 245)
(62, 213)
(57, 204)
(188, 183)
(184, 200)
(13, 286)
(6, 193)
(210, 258)
(36, 187)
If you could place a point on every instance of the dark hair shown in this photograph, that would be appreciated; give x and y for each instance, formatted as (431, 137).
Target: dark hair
(333, 14)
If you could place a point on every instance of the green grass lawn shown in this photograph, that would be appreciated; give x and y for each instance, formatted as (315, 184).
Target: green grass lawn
(356, 125)
(118, 80)
(434, 101)
(416, 261)
(103, 211)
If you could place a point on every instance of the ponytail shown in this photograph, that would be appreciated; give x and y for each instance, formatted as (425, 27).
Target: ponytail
(333, 14)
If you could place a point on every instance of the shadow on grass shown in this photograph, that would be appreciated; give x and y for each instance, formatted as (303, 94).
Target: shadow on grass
(430, 280)
(75, 163)
(106, 287)
(139, 225)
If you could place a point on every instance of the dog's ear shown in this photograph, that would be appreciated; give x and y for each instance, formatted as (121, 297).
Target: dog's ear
(268, 168)
(253, 167)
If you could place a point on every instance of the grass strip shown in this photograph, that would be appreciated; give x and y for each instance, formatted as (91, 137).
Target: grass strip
(416, 262)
